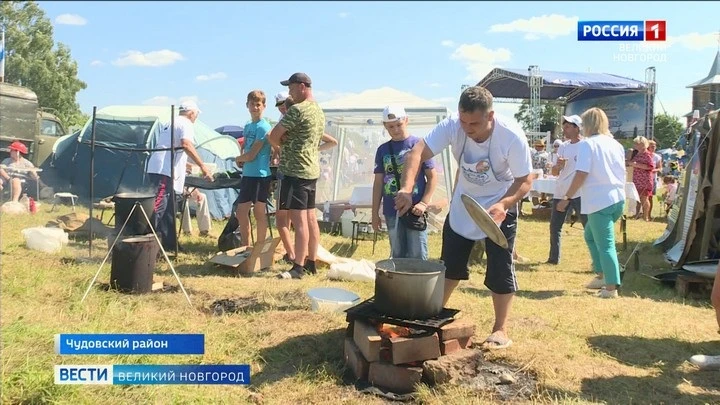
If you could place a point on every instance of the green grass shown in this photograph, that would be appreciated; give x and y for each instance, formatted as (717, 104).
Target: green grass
(582, 349)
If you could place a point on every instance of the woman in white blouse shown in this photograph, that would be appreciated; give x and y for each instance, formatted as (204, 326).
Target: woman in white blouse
(600, 178)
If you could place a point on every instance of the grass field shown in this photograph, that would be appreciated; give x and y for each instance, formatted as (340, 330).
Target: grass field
(580, 348)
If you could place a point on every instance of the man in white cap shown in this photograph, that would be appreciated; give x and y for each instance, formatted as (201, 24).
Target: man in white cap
(565, 170)
(158, 169)
(405, 242)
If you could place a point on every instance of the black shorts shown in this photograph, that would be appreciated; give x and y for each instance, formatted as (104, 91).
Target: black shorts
(500, 275)
(297, 193)
(254, 189)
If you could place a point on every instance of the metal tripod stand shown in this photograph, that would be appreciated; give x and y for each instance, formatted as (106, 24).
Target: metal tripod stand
(147, 219)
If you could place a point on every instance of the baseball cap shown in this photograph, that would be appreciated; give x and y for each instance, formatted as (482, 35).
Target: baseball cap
(393, 113)
(573, 119)
(297, 78)
(18, 146)
(189, 105)
(280, 98)
(557, 142)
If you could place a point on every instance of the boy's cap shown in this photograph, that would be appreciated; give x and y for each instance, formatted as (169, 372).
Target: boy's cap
(189, 105)
(297, 78)
(557, 142)
(393, 113)
(280, 98)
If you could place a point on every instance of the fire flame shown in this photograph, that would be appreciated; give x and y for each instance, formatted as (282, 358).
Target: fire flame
(391, 331)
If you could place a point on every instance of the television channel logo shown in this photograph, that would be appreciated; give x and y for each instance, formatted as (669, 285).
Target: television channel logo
(83, 374)
(648, 30)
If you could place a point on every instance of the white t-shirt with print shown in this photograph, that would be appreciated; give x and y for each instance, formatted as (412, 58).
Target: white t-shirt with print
(509, 152)
(603, 159)
(568, 151)
(159, 162)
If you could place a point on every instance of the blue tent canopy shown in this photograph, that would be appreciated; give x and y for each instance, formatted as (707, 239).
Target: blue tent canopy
(513, 83)
(120, 131)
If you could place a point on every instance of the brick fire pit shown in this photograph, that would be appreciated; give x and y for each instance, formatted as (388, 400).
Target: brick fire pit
(397, 354)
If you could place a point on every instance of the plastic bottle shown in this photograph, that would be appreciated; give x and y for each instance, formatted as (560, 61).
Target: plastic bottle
(32, 207)
(25, 201)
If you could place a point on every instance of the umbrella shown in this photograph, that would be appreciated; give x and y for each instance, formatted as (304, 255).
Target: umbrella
(232, 130)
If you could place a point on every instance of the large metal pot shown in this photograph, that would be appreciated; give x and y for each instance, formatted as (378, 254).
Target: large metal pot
(137, 224)
(411, 289)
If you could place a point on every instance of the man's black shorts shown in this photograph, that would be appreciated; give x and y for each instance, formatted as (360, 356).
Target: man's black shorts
(500, 274)
(297, 193)
(254, 189)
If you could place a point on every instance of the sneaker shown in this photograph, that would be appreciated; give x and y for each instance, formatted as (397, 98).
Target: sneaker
(608, 293)
(310, 267)
(551, 262)
(204, 234)
(706, 362)
(596, 283)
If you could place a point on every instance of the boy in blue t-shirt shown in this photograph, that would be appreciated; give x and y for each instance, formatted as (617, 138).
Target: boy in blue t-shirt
(405, 243)
(255, 161)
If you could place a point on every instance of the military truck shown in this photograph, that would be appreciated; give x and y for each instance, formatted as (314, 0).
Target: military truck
(21, 118)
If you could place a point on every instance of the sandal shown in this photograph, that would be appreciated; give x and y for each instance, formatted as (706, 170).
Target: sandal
(291, 274)
(496, 341)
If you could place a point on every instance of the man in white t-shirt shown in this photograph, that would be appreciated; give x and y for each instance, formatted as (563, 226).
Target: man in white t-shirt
(159, 172)
(494, 168)
(565, 170)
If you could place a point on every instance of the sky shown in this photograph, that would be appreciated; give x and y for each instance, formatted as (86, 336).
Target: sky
(159, 53)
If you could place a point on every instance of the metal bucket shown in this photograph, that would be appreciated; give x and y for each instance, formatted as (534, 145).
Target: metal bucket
(412, 289)
(137, 225)
(133, 264)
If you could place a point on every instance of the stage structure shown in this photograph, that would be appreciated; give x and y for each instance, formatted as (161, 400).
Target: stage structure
(565, 88)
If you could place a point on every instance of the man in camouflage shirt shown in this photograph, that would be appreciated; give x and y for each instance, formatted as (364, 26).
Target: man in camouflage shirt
(298, 134)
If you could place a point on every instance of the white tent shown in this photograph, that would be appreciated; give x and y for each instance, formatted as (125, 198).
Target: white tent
(356, 122)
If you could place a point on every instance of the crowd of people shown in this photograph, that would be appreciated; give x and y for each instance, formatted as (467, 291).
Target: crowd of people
(293, 145)
(495, 167)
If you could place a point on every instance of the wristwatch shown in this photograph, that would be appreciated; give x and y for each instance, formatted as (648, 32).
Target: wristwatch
(566, 198)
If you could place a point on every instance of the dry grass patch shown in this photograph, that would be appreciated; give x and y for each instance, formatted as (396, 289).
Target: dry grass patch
(580, 348)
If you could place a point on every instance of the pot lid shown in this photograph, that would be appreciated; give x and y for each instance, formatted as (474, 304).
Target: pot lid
(484, 221)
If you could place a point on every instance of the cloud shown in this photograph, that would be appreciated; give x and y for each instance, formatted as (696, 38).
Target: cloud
(550, 26)
(480, 60)
(694, 40)
(164, 101)
(321, 95)
(230, 102)
(447, 43)
(434, 85)
(97, 63)
(149, 59)
(70, 19)
(211, 76)
(343, 14)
